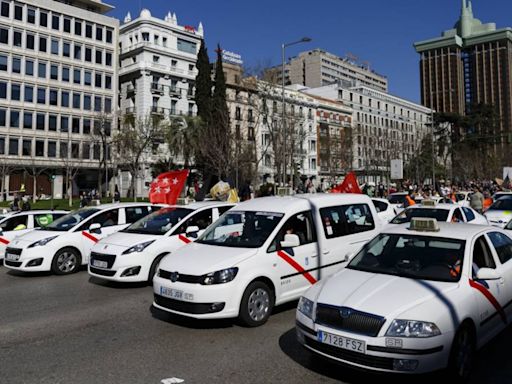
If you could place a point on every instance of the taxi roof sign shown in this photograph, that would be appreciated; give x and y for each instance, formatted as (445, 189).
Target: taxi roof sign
(428, 203)
(424, 224)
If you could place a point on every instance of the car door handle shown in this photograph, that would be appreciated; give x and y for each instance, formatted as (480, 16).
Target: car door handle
(502, 281)
(326, 252)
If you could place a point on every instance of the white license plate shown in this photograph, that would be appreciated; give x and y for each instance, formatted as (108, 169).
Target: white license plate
(12, 257)
(176, 294)
(342, 342)
(99, 264)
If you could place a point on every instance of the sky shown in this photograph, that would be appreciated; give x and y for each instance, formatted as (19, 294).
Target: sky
(381, 32)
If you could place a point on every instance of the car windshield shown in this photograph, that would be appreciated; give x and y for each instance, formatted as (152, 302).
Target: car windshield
(396, 199)
(408, 214)
(503, 204)
(68, 221)
(242, 229)
(460, 196)
(159, 222)
(412, 256)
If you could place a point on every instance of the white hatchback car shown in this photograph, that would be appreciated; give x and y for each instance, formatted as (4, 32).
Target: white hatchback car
(417, 298)
(441, 212)
(133, 254)
(384, 209)
(500, 212)
(65, 244)
(18, 223)
(265, 251)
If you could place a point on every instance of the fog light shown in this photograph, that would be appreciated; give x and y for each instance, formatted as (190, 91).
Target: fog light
(216, 307)
(405, 365)
(300, 337)
(35, 262)
(133, 271)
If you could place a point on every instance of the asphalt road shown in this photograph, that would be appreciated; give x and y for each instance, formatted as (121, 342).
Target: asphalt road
(73, 329)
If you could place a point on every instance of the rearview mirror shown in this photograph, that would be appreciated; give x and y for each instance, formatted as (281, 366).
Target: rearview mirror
(95, 228)
(487, 274)
(290, 241)
(192, 231)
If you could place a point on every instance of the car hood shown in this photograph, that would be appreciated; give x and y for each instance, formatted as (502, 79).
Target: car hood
(127, 240)
(383, 295)
(199, 259)
(32, 237)
(498, 216)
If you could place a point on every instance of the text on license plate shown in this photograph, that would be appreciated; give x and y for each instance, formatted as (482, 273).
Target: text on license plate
(12, 257)
(176, 294)
(99, 264)
(342, 342)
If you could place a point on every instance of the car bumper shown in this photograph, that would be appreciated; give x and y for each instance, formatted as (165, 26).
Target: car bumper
(124, 268)
(417, 355)
(199, 301)
(34, 259)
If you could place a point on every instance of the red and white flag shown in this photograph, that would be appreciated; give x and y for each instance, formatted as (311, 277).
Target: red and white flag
(349, 185)
(167, 187)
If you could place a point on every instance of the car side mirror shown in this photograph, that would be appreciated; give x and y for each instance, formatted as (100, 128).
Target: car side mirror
(290, 241)
(349, 256)
(487, 274)
(192, 231)
(95, 228)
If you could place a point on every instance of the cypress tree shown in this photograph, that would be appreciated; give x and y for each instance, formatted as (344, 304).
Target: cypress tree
(220, 112)
(203, 85)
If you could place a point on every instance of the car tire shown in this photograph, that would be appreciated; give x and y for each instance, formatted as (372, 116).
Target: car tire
(66, 261)
(462, 354)
(256, 305)
(152, 270)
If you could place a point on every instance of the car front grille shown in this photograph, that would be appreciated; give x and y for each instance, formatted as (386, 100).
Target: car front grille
(187, 307)
(110, 259)
(102, 272)
(9, 263)
(13, 251)
(349, 320)
(190, 279)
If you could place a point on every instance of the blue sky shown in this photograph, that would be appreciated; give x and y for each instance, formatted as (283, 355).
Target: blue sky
(379, 31)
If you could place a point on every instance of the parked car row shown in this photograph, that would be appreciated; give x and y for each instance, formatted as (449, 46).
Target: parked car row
(409, 293)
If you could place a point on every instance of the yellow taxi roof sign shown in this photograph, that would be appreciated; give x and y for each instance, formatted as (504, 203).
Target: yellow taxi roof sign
(424, 224)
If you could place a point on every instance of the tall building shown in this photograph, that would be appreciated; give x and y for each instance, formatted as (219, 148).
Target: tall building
(58, 85)
(384, 127)
(157, 76)
(317, 68)
(470, 64)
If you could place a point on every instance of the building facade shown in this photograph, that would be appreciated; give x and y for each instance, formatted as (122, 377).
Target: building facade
(468, 65)
(58, 86)
(157, 76)
(384, 127)
(317, 68)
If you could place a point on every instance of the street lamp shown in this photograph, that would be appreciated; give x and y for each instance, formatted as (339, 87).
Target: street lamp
(283, 48)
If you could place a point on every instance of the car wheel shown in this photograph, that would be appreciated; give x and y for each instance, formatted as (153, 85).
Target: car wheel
(257, 303)
(66, 261)
(462, 354)
(152, 270)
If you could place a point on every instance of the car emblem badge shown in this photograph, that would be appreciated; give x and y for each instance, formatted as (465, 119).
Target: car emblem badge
(174, 276)
(105, 247)
(345, 312)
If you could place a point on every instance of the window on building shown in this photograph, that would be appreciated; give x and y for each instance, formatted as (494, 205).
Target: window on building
(3, 62)
(39, 148)
(75, 125)
(86, 129)
(31, 16)
(109, 36)
(108, 105)
(87, 102)
(64, 123)
(86, 151)
(77, 78)
(3, 117)
(186, 46)
(99, 56)
(76, 100)
(55, 47)
(40, 121)
(97, 104)
(64, 99)
(26, 148)
(5, 9)
(78, 52)
(30, 42)
(78, 27)
(88, 54)
(2, 145)
(16, 65)
(87, 78)
(17, 39)
(52, 123)
(15, 119)
(43, 19)
(108, 82)
(18, 12)
(13, 146)
(3, 90)
(15, 92)
(65, 74)
(27, 120)
(99, 33)
(42, 44)
(66, 49)
(52, 149)
(67, 25)
(108, 59)
(54, 97)
(98, 80)
(41, 95)
(54, 72)
(88, 31)
(56, 22)
(63, 150)
(75, 150)
(4, 36)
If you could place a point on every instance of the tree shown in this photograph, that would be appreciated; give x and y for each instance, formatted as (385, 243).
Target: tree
(34, 170)
(203, 84)
(69, 153)
(5, 170)
(101, 139)
(134, 142)
(182, 138)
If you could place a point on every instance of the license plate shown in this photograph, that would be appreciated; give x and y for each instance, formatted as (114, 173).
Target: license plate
(12, 257)
(176, 294)
(342, 342)
(99, 264)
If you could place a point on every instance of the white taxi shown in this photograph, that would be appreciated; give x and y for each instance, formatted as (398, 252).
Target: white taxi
(262, 253)
(132, 255)
(65, 244)
(500, 212)
(18, 223)
(441, 212)
(417, 298)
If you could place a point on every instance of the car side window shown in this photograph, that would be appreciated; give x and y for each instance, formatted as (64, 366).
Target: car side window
(15, 223)
(42, 220)
(503, 245)
(133, 214)
(200, 219)
(470, 216)
(301, 225)
(105, 219)
(380, 206)
(482, 256)
(457, 216)
(224, 209)
(346, 220)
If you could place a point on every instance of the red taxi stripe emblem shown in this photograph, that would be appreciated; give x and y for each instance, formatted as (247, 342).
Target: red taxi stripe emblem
(489, 296)
(4, 241)
(184, 239)
(90, 237)
(297, 266)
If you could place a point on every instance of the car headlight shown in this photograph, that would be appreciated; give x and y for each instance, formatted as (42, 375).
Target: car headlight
(305, 306)
(410, 328)
(220, 277)
(138, 248)
(42, 242)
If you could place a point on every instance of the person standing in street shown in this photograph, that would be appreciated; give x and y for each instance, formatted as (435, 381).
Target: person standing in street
(476, 200)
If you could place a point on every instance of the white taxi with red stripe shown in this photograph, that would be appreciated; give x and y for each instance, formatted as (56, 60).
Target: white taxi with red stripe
(419, 297)
(133, 254)
(65, 244)
(262, 253)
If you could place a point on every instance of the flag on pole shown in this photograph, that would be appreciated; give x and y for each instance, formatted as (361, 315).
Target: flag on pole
(349, 185)
(167, 187)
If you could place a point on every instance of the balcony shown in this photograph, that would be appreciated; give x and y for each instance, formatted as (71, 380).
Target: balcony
(174, 91)
(191, 94)
(157, 110)
(157, 88)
